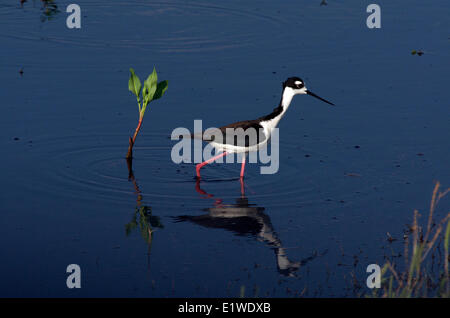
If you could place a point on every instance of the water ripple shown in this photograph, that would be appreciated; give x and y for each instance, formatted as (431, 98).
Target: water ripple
(169, 26)
(94, 168)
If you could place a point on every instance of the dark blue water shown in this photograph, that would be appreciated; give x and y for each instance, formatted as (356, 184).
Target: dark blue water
(348, 174)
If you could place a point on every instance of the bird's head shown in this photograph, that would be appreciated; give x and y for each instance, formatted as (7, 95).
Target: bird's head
(296, 86)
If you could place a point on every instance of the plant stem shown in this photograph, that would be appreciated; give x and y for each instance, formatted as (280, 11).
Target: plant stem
(132, 140)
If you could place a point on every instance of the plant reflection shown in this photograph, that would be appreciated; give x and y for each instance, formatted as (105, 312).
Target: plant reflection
(142, 217)
(49, 9)
(245, 219)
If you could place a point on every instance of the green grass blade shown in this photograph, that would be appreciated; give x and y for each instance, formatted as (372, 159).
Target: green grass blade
(447, 236)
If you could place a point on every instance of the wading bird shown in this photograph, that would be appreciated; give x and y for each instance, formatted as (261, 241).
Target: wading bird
(263, 126)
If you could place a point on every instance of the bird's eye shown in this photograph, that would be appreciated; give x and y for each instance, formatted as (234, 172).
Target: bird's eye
(299, 84)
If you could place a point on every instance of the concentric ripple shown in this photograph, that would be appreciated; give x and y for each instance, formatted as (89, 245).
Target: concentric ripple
(172, 26)
(93, 168)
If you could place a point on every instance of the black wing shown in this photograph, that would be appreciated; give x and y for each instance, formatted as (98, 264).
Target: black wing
(244, 133)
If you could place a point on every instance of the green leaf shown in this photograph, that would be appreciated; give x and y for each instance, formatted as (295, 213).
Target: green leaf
(161, 89)
(150, 83)
(134, 84)
(144, 92)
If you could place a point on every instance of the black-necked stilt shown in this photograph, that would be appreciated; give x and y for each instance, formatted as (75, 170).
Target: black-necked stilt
(244, 218)
(263, 126)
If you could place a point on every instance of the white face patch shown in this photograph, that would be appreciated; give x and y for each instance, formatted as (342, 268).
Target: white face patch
(298, 82)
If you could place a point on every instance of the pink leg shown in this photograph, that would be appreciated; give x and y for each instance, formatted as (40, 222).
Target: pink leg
(200, 165)
(243, 166)
(242, 187)
(197, 188)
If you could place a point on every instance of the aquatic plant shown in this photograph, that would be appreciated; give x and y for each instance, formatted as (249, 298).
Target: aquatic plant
(414, 52)
(421, 277)
(151, 90)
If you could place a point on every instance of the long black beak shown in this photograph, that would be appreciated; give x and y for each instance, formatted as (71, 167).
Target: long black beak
(318, 97)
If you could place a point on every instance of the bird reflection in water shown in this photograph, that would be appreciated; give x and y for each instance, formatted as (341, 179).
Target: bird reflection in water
(245, 219)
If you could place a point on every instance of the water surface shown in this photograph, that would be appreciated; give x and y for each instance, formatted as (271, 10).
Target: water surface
(348, 174)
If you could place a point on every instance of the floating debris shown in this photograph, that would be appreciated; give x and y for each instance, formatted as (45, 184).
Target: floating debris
(352, 174)
(414, 52)
(390, 239)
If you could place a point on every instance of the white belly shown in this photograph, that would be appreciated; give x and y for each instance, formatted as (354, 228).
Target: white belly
(238, 149)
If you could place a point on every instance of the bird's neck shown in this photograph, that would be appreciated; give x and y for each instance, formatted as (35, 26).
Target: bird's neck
(275, 116)
(286, 98)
